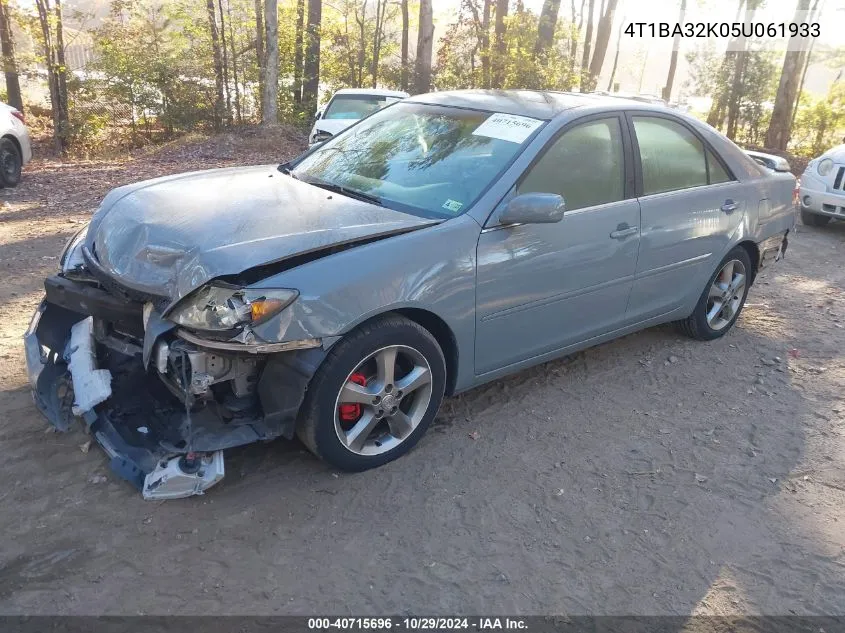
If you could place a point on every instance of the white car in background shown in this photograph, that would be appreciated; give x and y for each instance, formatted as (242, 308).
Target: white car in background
(348, 106)
(822, 192)
(15, 147)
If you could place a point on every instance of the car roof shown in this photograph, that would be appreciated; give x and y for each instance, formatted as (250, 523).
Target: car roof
(378, 92)
(539, 104)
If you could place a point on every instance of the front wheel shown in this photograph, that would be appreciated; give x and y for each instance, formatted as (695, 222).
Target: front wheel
(722, 300)
(374, 396)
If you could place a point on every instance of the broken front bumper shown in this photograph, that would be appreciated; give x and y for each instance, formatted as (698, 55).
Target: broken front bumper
(162, 407)
(71, 384)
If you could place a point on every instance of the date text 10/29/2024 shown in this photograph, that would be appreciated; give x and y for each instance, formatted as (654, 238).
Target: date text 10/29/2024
(417, 624)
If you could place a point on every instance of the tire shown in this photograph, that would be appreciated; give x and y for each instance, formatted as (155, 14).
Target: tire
(698, 325)
(813, 219)
(352, 372)
(11, 163)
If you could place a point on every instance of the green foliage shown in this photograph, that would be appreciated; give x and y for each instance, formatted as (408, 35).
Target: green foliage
(819, 123)
(757, 92)
(350, 32)
(459, 59)
(713, 74)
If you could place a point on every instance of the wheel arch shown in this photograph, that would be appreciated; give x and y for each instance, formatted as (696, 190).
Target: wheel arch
(753, 254)
(437, 327)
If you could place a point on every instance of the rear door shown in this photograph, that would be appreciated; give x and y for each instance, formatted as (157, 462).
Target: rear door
(542, 287)
(690, 207)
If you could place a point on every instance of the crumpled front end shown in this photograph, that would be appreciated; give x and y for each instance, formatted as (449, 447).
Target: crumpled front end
(161, 401)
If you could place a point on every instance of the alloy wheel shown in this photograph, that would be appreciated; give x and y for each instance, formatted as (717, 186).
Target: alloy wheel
(383, 400)
(726, 294)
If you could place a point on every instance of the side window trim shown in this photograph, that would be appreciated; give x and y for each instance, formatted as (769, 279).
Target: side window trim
(708, 148)
(628, 184)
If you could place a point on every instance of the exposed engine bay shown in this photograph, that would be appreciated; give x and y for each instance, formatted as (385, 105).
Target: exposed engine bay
(163, 402)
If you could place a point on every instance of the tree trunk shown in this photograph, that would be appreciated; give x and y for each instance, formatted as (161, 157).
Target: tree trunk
(616, 56)
(269, 98)
(297, 52)
(378, 37)
(780, 124)
(807, 59)
(405, 27)
(588, 43)
(10, 67)
(61, 73)
(260, 55)
(546, 27)
(501, 46)
(484, 42)
(736, 91)
(716, 116)
(573, 43)
(602, 39)
(218, 65)
(362, 23)
(673, 60)
(238, 113)
(425, 40)
(225, 50)
(58, 107)
(311, 69)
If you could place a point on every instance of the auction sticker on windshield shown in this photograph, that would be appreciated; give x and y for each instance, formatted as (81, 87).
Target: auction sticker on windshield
(452, 205)
(508, 127)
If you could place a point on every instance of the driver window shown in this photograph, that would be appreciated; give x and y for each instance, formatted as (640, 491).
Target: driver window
(585, 165)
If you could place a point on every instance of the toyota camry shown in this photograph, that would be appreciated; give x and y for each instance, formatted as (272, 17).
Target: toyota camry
(440, 243)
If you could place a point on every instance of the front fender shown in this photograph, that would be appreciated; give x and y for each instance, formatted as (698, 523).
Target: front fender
(431, 269)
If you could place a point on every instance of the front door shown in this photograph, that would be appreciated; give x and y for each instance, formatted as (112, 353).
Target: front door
(543, 287)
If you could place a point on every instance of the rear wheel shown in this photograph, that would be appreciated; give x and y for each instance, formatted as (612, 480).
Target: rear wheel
(722, 300)
(374, 396)
(813, 219)
(10, 163)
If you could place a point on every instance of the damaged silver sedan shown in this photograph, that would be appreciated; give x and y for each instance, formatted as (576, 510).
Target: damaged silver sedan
(442, 242)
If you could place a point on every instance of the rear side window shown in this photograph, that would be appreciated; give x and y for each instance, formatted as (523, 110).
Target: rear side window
(717, 172)
(672, 157)
(585, 166)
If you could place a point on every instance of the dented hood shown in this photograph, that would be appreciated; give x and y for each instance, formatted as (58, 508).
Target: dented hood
(170, 235)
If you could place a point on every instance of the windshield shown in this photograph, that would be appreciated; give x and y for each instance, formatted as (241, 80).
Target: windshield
(432, 161)
(356, 106)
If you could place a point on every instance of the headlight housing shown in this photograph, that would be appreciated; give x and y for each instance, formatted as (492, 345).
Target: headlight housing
(217, 307)
(825, 167)
(71, 256)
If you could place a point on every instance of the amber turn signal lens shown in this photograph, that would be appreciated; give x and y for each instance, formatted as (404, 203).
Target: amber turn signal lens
(262, 308)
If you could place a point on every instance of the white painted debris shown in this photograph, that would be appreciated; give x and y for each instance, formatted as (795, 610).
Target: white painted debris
(91, 386)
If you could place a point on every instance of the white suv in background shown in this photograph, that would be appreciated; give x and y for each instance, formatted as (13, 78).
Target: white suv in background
(348, 106)
(822, 192)
(15, 148)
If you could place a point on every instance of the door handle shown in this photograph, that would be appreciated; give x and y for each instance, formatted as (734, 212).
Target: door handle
(730, 206)
(623, 230)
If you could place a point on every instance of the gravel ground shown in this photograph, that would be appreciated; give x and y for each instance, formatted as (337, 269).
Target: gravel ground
(651, 475)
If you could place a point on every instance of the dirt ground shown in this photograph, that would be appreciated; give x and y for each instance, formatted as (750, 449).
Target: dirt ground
(651, 475)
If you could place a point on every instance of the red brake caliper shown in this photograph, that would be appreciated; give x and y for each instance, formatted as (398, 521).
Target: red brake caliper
(352, 412)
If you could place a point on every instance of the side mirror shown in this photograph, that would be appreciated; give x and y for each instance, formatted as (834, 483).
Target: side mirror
(533, 208)
(319, 115)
